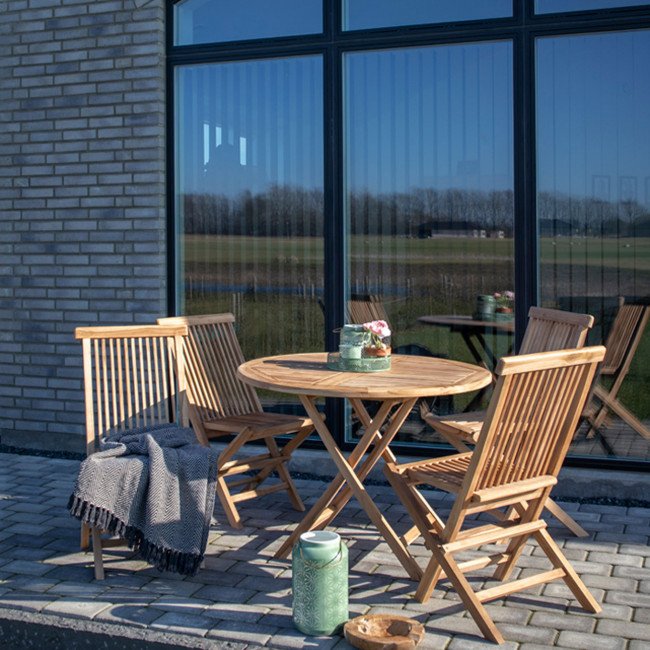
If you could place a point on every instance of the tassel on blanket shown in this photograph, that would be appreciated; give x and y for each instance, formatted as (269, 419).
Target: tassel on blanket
(163, 559)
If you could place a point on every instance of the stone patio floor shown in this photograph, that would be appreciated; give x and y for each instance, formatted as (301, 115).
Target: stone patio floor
(242, 599)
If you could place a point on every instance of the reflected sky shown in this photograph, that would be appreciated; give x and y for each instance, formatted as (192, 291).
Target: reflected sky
(212, 21)
(593, 132)
(429, 117)
(368, 14)
(552, 6)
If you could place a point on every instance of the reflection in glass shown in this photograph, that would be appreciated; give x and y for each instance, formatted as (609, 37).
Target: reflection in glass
(429, 187)
(369, 14)
(553, 6)
(249, 198)
(211, 21)
(593, 201)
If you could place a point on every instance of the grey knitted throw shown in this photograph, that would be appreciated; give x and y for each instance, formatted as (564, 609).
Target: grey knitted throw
(154, 487)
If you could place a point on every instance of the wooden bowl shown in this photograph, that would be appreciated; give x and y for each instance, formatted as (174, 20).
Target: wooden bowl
(383, 632)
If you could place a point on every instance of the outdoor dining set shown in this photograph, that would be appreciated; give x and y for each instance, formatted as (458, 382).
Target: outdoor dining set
(151, 480)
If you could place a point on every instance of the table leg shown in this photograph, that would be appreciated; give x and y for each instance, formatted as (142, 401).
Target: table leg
(354, 484)
(321, 513)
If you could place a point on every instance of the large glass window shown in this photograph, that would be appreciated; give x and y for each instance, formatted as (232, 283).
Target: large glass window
(394, 165)
(552, 6)
(593, 201)
(429, 190)
(212, 21)
(249, 198)
(367, 14)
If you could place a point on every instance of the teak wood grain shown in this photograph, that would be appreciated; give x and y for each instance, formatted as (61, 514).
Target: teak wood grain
(408, 377)
(397, 390)
(222, 405)
(527, 430)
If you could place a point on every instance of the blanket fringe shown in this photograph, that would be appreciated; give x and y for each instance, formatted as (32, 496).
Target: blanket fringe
(164, 559)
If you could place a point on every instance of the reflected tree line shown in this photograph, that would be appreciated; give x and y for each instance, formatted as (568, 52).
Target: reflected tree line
(290, 211)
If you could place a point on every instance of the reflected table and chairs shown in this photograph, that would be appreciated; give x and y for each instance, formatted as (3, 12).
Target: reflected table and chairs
(475, 335)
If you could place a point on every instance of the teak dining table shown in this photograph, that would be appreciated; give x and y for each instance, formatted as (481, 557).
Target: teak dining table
(397, 390)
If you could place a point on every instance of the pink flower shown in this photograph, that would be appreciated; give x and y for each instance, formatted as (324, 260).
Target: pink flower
(377, 327)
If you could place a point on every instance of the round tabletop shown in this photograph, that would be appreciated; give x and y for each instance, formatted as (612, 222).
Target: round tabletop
(408, 376)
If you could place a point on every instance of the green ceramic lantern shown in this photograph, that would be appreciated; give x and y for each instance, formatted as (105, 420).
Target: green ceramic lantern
(320, 583)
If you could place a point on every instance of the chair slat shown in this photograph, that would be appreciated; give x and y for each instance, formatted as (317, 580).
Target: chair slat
(529, 424)
(127, 381)
(220, 404)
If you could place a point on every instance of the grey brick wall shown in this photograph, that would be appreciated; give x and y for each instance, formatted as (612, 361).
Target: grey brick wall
(82, 197)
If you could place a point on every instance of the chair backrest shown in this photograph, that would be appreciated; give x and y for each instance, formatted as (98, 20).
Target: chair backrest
(553, 329)
(624, 337)
(363, 309)
(212, 356)
(133, 376)
(530, 422)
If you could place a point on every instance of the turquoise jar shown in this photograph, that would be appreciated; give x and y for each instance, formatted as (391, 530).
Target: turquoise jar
(320, 583)
(485, 306)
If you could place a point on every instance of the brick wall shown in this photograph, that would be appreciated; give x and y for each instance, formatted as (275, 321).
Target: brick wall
(82, 197)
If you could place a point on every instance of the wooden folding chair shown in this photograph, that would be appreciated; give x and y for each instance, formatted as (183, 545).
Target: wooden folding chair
(529, 425)
(221, 405)
(133, 377)
(622, 343)
(547, 330)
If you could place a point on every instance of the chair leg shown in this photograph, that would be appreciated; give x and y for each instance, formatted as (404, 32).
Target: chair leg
(577, 587)
(565, 518)
(282, 470)
(98, 561)
(474, 606)
(227, 503)
(85, 537)
(429, 580)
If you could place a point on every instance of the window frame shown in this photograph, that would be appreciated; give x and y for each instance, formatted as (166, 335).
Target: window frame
(522, 28)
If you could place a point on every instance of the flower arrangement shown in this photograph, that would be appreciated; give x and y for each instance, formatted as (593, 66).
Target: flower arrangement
(379, 333)
(505, 300)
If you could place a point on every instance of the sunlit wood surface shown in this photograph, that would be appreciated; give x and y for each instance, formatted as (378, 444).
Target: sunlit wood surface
(409, 376)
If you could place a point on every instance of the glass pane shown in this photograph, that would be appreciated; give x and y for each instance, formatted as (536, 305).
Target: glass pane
(368, 14)
(553, 6)
(249, 199)
(429, 195)
(593, 198)
(211, 21)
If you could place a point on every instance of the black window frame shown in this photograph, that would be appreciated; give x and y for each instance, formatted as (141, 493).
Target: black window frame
(522, 29)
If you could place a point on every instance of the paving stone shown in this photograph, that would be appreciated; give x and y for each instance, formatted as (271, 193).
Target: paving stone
(80, 590)
(624, 598)
(238, 612)
(217, 593)
(182, 623)
(614, 536)
(175, 603)
(581, 641)
(624, 629)
(561, 622)
(26, 567)
(162, 587)
(125, 614)
(25, 600)
(76, 607)
(242, 631)
(615, 559)
(292, 638)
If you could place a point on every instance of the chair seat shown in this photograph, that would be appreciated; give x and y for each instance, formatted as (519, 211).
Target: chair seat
(465, 426)
(264, 424)
(446, 473)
